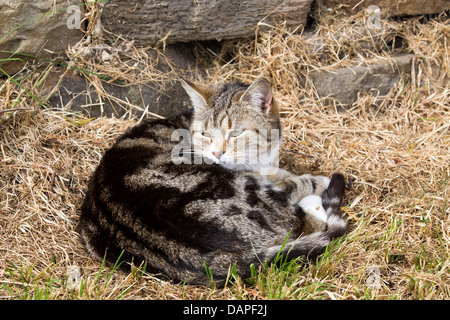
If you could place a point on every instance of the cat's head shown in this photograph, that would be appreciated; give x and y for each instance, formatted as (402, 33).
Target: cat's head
(235, 124)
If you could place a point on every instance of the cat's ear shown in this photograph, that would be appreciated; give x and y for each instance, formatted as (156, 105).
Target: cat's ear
(260, 96)
(198, 94)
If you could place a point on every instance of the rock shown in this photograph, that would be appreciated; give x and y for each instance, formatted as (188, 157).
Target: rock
(354, 39)
(390, 8)
(77, 94)
(344, 84)
(38, 30)
(147, 22)
(74, 92)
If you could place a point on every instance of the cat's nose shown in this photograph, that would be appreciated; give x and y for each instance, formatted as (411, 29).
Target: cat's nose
(217, 154)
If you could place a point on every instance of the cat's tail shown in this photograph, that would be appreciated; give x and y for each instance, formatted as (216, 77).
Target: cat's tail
(312, 245)
(331, 202)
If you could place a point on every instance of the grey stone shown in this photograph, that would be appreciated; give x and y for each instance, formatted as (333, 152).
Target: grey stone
(77, 94)
(147, 22)
(389, 7)
(38, 30)
(345, 84)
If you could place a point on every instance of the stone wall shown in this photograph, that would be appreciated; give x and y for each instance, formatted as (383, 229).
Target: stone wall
(389, 7)
(147, 22)
(42, 30)
(37, 30)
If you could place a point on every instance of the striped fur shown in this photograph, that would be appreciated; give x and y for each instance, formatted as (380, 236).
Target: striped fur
(177, 216)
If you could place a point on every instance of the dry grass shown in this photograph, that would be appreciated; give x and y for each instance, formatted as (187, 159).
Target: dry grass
(397, 150)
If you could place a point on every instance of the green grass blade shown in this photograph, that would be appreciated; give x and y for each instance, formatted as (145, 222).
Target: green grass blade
(22, 87)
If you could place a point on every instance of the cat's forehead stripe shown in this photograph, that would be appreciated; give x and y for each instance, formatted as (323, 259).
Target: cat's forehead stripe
(225, 97)
(224, 123)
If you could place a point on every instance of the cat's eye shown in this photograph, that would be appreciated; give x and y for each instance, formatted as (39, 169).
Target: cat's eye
(206, 134)
(236, 132)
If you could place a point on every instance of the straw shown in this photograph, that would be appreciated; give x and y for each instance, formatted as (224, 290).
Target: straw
(395, 149)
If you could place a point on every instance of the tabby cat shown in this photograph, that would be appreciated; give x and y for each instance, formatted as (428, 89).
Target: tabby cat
(203, 189)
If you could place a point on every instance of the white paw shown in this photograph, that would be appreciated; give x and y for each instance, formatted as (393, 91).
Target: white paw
(312, 205)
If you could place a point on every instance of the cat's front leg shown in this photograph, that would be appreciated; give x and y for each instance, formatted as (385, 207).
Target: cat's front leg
(298, 187)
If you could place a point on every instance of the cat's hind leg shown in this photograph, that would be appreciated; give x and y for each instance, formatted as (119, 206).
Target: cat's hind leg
(326, 222)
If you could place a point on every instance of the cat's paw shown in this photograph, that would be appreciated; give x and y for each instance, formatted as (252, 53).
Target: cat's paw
(312, 205)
